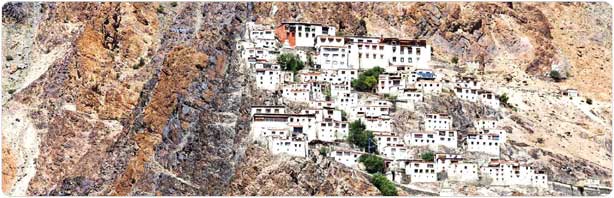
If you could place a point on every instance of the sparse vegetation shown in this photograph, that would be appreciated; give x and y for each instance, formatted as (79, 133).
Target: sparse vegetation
(9, 58)
(373, 163)
(385, 186)
(361, 137)
(174, 4)
(589, 101)
(11, 91)
(327, 93)
(367, 80)
(540, 140)
(290, 62)
(454, 60)
(427, 156)
(140, 64)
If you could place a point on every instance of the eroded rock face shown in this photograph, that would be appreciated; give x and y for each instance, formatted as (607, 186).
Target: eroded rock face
(264, 175)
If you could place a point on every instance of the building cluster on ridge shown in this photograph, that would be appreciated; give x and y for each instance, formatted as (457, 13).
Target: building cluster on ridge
(331, 104)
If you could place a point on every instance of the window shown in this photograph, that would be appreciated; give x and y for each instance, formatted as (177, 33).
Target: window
(402, 59)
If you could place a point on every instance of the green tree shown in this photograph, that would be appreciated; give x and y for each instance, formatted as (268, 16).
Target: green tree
(367, 80)
(454, 60)
(427, 156)
(384, 185)
(290, 62)
(361, 137)
(373, 163)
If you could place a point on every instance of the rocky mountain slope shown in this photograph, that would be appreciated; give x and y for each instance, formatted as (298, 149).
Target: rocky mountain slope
(151, 99)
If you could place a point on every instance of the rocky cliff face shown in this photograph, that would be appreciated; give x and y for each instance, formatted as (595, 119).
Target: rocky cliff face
(263, 175)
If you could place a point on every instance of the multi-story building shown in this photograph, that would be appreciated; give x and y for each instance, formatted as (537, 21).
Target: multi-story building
(456, 168)
(433, 139)
(345, 156)
(265, 109)
(369, 52)
(488, 143)
(300, 34)
(379, 123)
(291, 146)
(421, 171)
(504, 173)
(437, 122)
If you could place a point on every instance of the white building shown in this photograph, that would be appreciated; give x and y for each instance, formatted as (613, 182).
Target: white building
(571, 93)
(437, 122)
(456, 168)
(390, 84)
(324, 114)
(421, 171)
(337, 90)
(433, 139)
(305, 124)
(347, 101)
(379, 123)
(326, 40)
(489, 99)
(303, 92)
(257, 31)
(386, 138)
(300, 34)
(504, 173)
(291, 146)
(411, 95)
(467, 94)
(266, 43)
(428, 86)
(345, 156)
(469, 82)
(488, 143)
(269, 79)
(332, 57)
(265, 125)
(339, 76)
(267, 54)
(264, 109)
(319, 104)
(395, 152)
(368, 52)
(329, 131)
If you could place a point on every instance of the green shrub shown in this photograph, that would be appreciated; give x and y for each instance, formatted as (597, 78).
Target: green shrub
(384, 185)
(324, 151)
(367, 80)
(373, 163)
(504, 98)
(589, 101)
(11, 91)
(454, 60)
(9, 58)
(174, 4)
(160, 9)
(555, 75)
(360, 137)
(540, 140)
(427, 156)
(290, 62)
